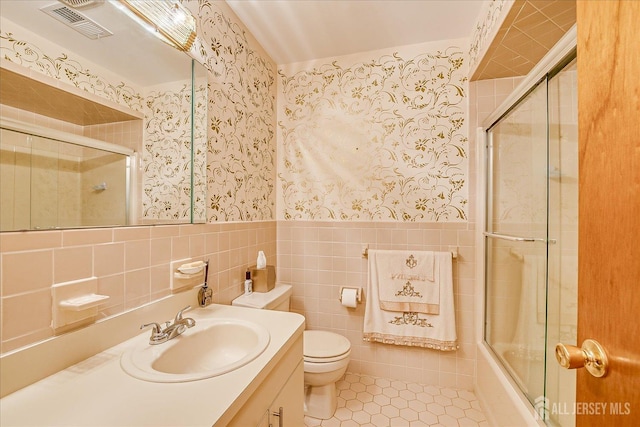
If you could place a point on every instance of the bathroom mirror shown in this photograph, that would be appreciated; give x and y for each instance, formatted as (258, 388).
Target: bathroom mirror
(92, 72)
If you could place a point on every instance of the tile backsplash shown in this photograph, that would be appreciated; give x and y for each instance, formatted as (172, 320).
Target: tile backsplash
(130, 263)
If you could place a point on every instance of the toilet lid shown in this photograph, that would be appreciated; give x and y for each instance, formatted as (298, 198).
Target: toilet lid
(324, 344)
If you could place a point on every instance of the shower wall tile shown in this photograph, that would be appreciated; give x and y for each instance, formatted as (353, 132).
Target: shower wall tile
(318, 257)
(40, 120)
(131, 264)
(128, 134)
(489, 94)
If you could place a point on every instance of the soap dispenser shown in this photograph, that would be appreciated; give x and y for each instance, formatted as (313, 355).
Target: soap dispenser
(261, 262)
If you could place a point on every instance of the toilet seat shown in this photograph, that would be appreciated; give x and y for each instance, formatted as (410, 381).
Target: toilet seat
(325, 347)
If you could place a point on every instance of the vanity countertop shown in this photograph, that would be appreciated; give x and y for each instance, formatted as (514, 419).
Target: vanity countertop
(97, 392)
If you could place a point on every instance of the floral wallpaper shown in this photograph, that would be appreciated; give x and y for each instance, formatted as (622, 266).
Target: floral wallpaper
(200, 145)
(381, 138)
(166, 155)
(241, 157)
(487, 24)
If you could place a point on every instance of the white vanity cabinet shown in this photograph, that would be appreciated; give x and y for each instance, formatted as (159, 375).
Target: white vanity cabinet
(283, 388)
(76, 395)
(287, 410)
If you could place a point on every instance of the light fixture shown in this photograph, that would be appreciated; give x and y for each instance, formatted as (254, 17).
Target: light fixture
(169, 18)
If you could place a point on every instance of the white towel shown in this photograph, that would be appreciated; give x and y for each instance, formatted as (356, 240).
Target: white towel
(406, 280)
(408, 327)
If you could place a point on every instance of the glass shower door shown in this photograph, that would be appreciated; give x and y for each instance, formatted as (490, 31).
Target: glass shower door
(516, 247)
(531, 241)
(562, 294)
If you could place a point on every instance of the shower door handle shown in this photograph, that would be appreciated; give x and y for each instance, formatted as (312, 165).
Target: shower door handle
(516, 238)
(591, 356)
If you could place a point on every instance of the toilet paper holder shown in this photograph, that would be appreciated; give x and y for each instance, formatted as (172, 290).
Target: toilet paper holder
(358, 293)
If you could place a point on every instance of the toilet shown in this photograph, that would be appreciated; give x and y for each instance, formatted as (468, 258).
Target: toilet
(326, 354)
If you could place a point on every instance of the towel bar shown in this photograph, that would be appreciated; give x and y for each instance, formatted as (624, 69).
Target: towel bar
(452, 249)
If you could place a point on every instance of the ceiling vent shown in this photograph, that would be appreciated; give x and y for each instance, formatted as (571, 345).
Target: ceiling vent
(78, 4)
(77, 20)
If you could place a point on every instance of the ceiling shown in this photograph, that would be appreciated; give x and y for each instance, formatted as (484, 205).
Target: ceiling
(529, 30)
(301, 30)
(131, 52)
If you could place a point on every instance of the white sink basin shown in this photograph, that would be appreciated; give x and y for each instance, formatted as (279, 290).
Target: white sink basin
(212, 347)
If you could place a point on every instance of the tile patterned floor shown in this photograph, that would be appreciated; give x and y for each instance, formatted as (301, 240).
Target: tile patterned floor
(365, 401)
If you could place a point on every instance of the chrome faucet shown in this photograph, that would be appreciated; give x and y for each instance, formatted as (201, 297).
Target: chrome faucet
(171, 330)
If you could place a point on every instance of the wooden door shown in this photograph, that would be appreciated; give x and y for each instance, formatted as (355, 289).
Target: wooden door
(609, 207)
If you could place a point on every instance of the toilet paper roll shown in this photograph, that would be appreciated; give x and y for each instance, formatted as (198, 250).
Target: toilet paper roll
(350, 297)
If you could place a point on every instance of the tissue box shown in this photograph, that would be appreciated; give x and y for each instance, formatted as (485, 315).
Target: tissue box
(264, 279)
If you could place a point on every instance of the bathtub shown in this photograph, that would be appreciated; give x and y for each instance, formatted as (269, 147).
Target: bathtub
(503, 403)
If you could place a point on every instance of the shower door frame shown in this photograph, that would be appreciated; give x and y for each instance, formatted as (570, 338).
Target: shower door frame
(557, 56)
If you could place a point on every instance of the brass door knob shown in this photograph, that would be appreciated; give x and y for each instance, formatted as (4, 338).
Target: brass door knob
(591, 356)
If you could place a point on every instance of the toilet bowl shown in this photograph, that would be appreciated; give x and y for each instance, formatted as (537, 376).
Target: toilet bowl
(326, 357)
(326, 354)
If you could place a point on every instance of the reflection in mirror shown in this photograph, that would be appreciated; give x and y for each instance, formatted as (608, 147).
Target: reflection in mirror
(55, 179)
(199, 150)
(125, 70)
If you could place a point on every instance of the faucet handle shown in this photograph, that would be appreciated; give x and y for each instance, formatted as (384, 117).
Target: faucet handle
(179, 315)
(158, 335)
(188, 322)
(157, 329)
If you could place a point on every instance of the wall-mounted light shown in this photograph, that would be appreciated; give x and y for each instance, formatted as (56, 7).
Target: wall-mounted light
(168, 17)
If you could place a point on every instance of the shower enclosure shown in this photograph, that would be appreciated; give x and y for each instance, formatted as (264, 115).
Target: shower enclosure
(53, 179)
(531, 240)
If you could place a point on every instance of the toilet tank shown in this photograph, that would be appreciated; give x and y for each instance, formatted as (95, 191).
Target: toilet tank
(277, 298)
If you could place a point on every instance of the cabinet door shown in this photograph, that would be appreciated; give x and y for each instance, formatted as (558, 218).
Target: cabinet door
(284, 385)
(264, 421)
(291, 400)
